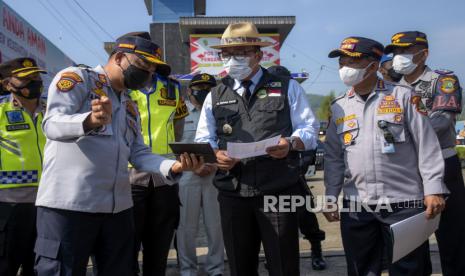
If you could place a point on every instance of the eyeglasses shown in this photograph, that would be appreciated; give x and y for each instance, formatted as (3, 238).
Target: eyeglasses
(238, 55)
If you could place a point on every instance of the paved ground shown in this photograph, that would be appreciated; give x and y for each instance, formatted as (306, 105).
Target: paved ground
(332, 247)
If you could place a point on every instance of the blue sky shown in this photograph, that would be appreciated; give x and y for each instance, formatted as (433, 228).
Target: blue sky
(321, 25)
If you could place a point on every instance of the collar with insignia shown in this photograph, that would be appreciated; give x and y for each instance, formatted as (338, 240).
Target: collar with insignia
(380, 85)
(425, 76)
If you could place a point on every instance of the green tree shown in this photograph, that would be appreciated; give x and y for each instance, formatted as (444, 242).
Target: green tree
(325, 106)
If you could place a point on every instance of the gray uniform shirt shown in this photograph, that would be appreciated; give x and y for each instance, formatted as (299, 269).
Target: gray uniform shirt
(190, 124)
(190, 128)
(354, 161)
(88, 171)
(443, 121)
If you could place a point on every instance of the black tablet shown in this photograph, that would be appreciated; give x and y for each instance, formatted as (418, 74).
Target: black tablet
(199, 149)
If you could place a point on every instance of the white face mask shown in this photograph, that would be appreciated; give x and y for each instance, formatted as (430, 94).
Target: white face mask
(238, 69)
(403, 63)
(352, 76)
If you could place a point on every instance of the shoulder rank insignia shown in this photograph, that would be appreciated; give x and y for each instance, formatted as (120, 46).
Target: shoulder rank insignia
(67, 81)
(443, 72)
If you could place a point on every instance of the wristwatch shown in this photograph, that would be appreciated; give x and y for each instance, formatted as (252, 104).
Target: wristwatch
(291, 141)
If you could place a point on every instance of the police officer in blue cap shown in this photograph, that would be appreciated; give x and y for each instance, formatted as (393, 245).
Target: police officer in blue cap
(441, 96)
(385, 68)
(382, 154)
(93, 131)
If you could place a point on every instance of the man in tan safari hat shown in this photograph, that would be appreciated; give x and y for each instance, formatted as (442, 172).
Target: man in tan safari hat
(251, 105)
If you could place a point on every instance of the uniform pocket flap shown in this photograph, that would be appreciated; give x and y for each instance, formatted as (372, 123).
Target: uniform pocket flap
(394, 125)
(271, 104)
(226, 111)
(397, 119)
(47, 248)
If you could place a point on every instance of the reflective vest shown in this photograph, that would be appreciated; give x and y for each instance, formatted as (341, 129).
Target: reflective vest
(21, 146)
(159, 106)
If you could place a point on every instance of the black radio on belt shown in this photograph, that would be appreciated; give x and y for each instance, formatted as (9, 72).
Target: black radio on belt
(383, 125)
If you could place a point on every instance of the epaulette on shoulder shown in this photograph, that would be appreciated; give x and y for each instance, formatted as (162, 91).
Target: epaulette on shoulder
(338, 98)
(396, 84)
(444, 72)
(84, 66)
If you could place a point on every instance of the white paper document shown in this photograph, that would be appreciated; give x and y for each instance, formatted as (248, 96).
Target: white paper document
(410, 233)
(247, 150)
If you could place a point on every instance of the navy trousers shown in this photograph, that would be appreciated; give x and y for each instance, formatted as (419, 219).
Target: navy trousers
(17, 237)
(451, 232)
(66, 239)
(366, 239)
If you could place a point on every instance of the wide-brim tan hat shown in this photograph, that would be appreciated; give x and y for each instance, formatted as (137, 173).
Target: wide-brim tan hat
(241, 34)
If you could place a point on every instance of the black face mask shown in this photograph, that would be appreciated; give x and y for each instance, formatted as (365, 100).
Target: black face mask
(396, 77)
(35, 90)
(134, 77)
(200, 95)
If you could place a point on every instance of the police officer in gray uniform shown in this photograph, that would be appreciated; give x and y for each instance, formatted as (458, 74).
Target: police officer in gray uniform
(441, 95)
(380, 148)
(198, 195)
(92, 128)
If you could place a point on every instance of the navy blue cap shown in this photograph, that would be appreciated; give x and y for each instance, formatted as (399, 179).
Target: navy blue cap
(406, 39)
(140, 44)
(203, 78)
(358, 47)
(385, 58)
(279, 70)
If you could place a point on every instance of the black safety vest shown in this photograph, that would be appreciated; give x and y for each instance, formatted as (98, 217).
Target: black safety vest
(265, 115)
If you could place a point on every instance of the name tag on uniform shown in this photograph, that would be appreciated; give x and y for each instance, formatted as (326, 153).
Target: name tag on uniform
(167, 102)
(226, 102)
(17, 127)
(387, 147)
